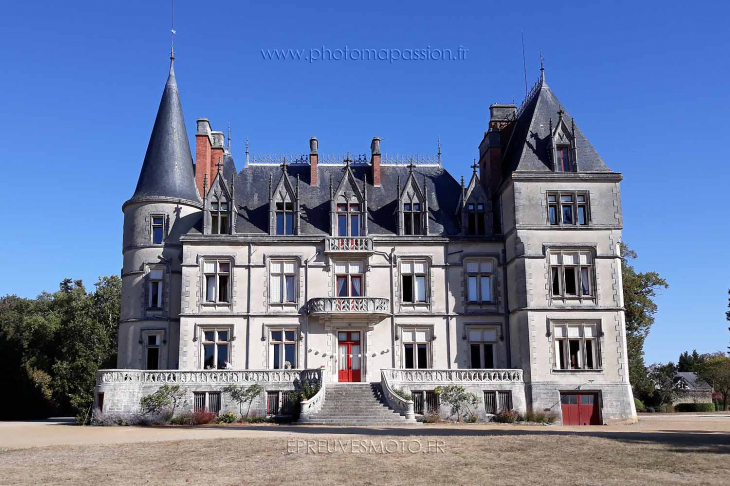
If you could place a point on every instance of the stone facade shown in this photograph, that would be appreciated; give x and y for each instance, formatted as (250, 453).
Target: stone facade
(432, 283)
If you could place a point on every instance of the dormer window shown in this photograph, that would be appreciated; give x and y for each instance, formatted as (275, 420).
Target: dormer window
(219, 217)
(412, 218)
(562, 159)
(348, 219)
(476, 224)
(284, 218)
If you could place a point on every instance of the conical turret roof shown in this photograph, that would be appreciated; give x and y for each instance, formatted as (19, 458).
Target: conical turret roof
(167, 170)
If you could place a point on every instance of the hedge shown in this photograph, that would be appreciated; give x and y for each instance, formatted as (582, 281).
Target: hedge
(639, 405)
(694, 407)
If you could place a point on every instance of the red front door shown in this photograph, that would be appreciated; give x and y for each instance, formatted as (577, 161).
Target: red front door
(349, 356)
(579, 408)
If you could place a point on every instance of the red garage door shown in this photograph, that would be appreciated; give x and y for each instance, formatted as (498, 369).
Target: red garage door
(579, 408)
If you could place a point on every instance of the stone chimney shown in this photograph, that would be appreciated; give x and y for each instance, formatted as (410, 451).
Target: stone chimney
(375, 160)
(202, 153)
(313, 161)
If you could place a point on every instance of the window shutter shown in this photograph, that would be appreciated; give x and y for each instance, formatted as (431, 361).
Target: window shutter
(275, 288)
(585, 258)
(589, 331)
(288, 267)
(573, 332)
(421, 336)
(407, 336)
(419, 267)
(475, 335)
(276, 267)
(569, 259)
(406, 267)
(554, 259)
(340, 268)
(209, 267)
(355, 267)
(472, 267)
(485, 267)
(490, 335)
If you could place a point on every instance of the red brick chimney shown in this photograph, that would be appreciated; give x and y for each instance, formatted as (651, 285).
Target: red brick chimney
(490, 150)
(375, 160)
(313, 160)
(202, 153)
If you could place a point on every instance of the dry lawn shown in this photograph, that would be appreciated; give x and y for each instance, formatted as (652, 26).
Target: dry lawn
(493, 455)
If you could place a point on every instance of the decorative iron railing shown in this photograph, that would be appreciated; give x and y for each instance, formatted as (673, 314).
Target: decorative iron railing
(415, 159)
(278, 159)
(181, 377)
(349, 305)
(349, 244)
(453, 376)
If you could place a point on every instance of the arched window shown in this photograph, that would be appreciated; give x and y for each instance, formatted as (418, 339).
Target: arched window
(219, 217)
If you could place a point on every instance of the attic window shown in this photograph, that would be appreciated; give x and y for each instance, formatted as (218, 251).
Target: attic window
(412, 218)
(562, 159)
(475, 219)
(348, 221)
(284, 218)
(219, 217)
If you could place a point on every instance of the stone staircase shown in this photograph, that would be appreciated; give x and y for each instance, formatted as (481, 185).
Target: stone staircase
(356, 404)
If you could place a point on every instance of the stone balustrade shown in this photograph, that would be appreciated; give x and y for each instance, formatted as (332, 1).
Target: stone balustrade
(349, 305)
(350, 244)
(314, 404)
(472, 376)
(395, 401)
(211, 377)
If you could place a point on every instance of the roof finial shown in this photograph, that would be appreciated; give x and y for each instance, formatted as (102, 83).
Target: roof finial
(172, 36)
(462, 182)
(229, 137)
(475, 166)
(283, 165)
(220, 163)
(246, 150)
(438, 143)
(411, 166)
(542, 68)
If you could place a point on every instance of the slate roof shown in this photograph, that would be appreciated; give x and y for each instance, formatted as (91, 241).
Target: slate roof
(528, 147)
(252, 197)
(167, 170)
(692, 380)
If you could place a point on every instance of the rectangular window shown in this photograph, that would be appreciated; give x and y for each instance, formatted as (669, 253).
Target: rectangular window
(219, 217)
(414, 281)
(412, 218)
(349, 279)
(155, 284)
(284, 218)
(576, 346)
(571, 274)
(482, 343)
(497, 401)
(158, 229)
(348, 219)
(416, 348)
(283, 281)
(476, 219)
(479, 281)
(568, 208)
(210, 401)
(562, 162)
(217, 274)
(283, 349)
(215, 345)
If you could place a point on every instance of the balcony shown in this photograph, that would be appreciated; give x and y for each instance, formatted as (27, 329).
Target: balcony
(348, 244)
(349, 306)
(456, 376)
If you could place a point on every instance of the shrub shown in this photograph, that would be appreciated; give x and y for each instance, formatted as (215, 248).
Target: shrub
(650, 410)
(429, 418)
(404, 394)
(538, 417)
(506, 417)
(110, 419)
(639, 405)
(668, 408)
(459, 400)
(243, 395)
(227, 418)
(694, 407)
(183, 419)
(158, 418)
(203, 416)
(166, 397)
(309, 389)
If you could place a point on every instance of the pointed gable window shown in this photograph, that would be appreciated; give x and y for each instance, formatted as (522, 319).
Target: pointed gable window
(562, 141)
(475, 219)
(284, 205)
(348, 205)
(219, 217)
(474, 206)
(413, 206)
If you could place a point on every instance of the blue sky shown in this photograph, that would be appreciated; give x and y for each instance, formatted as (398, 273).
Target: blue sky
(646, 82)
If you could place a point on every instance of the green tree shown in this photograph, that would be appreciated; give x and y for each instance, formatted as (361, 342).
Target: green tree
(639, 292)
(164, 399)
(716, 372)
(243, 395)
(458, 399)
(52, 346)
(666, 386)
(688, 362)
